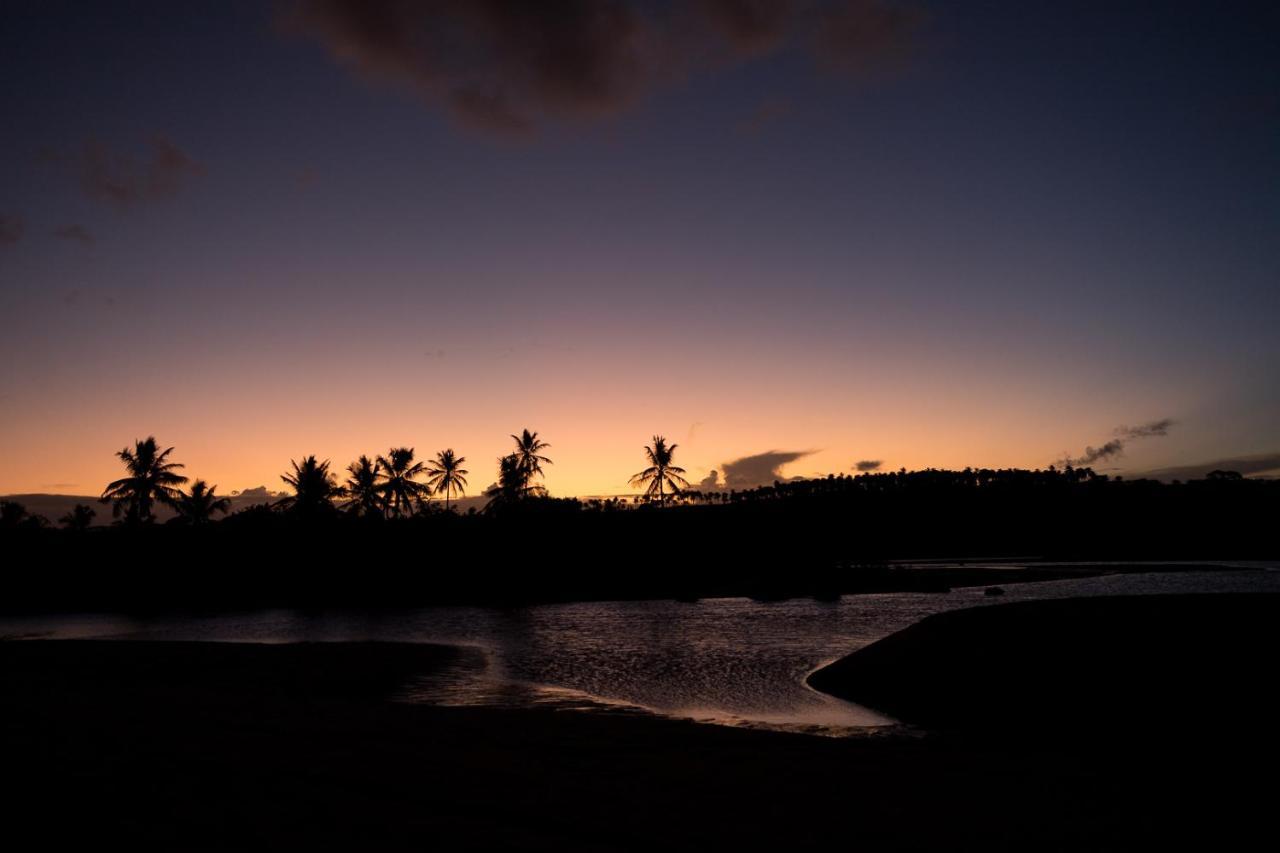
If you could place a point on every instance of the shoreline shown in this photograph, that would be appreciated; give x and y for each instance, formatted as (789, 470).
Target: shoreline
(1087, 667)
(922, 576)
(223, 746)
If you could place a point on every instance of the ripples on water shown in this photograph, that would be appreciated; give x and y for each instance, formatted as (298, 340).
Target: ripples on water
(730, 661)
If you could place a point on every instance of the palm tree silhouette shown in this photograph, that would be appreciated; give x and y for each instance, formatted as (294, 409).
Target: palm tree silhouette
(510, 487)
(446, 474)
(364, 495)
(313, 486)
(400, 489)
(151, 479)
(529, 459)
(78, 518)
(660, 473)
(199, 505)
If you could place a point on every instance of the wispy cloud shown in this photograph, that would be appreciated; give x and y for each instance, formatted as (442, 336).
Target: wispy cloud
(129, 178)
(509, 68)
(1260, 464)
(1116, 446)
(75, 233)
(760, 469)
(1149, 430)
(11, 230)
(767, 112)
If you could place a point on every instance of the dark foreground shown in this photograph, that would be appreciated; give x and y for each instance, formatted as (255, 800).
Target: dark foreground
(190, 745)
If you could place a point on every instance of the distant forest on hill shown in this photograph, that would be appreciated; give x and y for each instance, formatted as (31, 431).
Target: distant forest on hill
(817, 536)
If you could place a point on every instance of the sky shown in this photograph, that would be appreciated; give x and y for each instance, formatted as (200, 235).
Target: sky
(795, 238)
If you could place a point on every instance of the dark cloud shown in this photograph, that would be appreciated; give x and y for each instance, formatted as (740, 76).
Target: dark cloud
(710, 483)
(1115, 447)
(496, 65)
(767, 112)
(1265, 463)
(126, 180)
(508, 67)
(1149, 430)
(860, 36)
(865, 465)
(77, 233)
(761, 469)
(751, 27)
(255, 495)
(11, 230)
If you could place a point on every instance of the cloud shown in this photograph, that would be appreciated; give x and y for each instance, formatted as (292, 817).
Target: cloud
(78, 233)
(767, 112)
(496, 66)
(1115, 447)
(126, 180)
(11, 230)
(710, 483)
(1149, 430)
(253, 496)
(760, 469)
(751, 27)
(508, 68)
(865, 465)
(1265, 463)
(861, 36)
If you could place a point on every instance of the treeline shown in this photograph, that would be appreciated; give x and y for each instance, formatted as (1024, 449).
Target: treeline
(807, 537)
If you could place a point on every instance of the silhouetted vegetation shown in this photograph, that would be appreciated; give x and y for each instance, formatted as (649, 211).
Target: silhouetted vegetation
(446, 476)
(380, 538)
(200, 504)
(152, 479)
(79, 518)
(662, 477)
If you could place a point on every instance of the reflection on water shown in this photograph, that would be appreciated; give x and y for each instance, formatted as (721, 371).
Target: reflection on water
(731, 661)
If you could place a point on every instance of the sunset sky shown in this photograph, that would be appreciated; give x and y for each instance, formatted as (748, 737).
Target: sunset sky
(913, 233)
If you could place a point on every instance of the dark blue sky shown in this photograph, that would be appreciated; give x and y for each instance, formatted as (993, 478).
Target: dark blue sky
(961, 233)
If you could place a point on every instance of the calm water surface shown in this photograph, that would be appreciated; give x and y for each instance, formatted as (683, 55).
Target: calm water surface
(731, 661)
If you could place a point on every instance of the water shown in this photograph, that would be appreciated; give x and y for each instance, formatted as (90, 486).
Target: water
(730, 661)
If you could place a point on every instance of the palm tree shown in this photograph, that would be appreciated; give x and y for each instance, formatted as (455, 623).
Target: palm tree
(151, 479)
(510, 487)
(660, 473)
(199, 505)
(78, 519)
(364, 495)
(400, 489)
(529, 459)
(314, 486)
(446, 474)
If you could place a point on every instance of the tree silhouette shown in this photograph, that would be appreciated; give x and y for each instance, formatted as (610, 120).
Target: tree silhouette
(661, 473)
(151, 479)
(79, 518)
(364, 494)
(12, 514)
(446, 475)
(314, 487)
(400, 488)
(510, 487)
(199, 505)
(529, 460)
